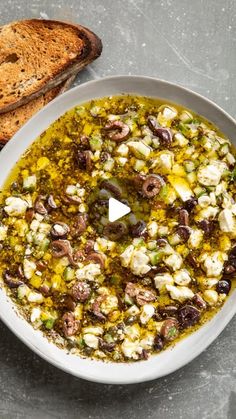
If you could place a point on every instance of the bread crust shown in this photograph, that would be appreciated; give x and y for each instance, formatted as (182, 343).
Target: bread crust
(81, 46)
(12, 121)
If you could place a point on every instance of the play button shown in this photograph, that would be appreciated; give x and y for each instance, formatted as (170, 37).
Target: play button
(117, 210)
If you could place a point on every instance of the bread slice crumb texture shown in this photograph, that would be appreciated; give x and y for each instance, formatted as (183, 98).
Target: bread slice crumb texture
(32, 53)
(12, 121)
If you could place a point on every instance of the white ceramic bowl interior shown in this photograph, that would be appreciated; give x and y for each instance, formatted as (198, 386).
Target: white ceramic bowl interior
(190, 347)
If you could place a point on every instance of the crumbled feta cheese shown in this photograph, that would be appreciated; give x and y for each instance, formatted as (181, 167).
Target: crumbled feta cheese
(174, 261)
(71, 190)
(38, 217)
(209, 212)
(123, 150)
(121, 161)
(34, 225)
(88, 272)
(126, 256)
(179, 293)
(209, 175)
(165, 161)
(209, 282)
(230, 159)
(147, 312)
(204, 201)
(147, 342)
(58, 229)
(182, 277)
(139, 263)
(35, 314)
(83, 208)
(220, 188)
(91, 340)
(180, 139)
(226, 221)
(35, 297)
(104, 245)
(214, 263)
(29, 268)
(210, 296)
(132, 311)
(213, 198)
(15, 206)
(29, 183)
(93, 330)
(110, 304)
(195, 238)
(3, 232)
(133, 332)
(130, 348)
(163, 279)
(163, 230)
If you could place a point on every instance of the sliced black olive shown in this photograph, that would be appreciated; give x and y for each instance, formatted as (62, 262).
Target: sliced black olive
(70, 325)
(11, 280)
(188, 315)
(190, 204)
(164, 134)
(152, 186)
(84, 160)
(198, 300)
(96, 258)
(59, 230)
(39, 205)
(51, 203)
(117, 130)
(184, 232)
(112, 187)
(158, 343)
(61, 248)
(139, 229)
(183, 217)
(223, 286)
(170, 329)
(115, 231)
(80, 291)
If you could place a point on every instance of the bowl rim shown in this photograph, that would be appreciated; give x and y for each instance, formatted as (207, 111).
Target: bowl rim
(125, 372)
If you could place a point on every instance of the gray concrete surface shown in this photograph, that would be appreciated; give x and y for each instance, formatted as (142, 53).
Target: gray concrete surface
(193, 43)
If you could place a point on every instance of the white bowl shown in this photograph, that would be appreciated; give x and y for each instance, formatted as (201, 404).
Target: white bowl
(190, 347)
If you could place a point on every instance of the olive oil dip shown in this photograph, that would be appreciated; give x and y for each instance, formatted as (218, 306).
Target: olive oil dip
(125, 290)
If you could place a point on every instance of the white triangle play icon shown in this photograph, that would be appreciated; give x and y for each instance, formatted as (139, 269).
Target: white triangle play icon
(117, 210)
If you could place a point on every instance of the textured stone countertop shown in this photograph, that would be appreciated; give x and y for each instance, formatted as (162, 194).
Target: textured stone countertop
(190, 42)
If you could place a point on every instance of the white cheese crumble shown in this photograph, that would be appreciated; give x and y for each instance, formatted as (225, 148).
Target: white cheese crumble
(88, 272)
(139, 263)
(15, 206)
(209, 175)
(91, 340)
(29, 268)
(162, 280)
(174, 261)
(195, 238)
(130, 348)
(226, 221)
(3, 232)
(179, 293)
(35, 314)
(182, 277)
(147, 312)
(211, 297)
(126, 256)
(213, 264)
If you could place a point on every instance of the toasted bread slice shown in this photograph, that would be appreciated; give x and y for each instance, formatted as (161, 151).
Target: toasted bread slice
(12, 121)
(37, 55)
